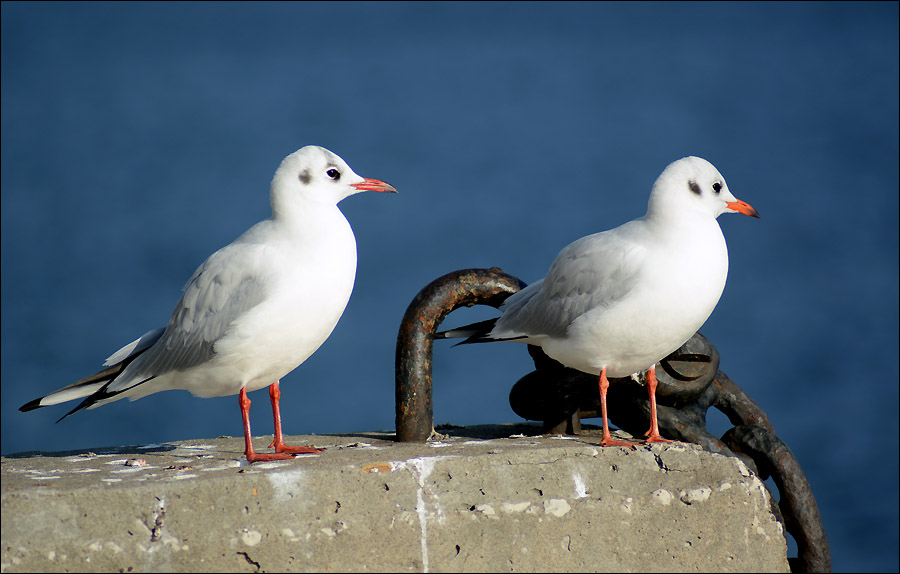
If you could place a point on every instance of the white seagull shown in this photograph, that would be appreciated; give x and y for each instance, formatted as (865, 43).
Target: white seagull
(614, 303)
(255, 310)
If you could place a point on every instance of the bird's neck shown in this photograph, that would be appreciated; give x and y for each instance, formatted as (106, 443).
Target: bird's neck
(312, 222)
(670, 222)
(694, 235)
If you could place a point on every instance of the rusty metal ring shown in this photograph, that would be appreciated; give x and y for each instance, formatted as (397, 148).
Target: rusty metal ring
(415, 411)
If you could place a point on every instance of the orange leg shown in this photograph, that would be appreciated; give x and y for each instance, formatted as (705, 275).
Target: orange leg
(251, 455)
(607, 439)
(278, 439)
(653, 434)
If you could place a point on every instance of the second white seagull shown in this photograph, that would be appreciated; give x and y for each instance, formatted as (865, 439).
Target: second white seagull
(616, 302)
(256, 309)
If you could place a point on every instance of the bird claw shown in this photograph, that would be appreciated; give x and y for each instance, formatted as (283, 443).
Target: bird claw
(266, 456)
(655, 437)
(298, 449)
(609, 441)
(279, 446)
(282, 452)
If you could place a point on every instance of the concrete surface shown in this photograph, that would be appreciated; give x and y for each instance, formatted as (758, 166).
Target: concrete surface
(483, 499)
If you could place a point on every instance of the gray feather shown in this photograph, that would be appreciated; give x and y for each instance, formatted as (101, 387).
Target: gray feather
(570, 289)
(215, 296)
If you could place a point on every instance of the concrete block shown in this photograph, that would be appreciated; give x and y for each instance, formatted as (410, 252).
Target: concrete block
(485, 499)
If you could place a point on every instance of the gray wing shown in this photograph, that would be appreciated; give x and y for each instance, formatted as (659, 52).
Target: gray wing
(223, 288)
(593, 272)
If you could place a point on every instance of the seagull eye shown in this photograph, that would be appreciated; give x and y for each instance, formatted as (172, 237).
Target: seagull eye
(717, 187)
(333, 174)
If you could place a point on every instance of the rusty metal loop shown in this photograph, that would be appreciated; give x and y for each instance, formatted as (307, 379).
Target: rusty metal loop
(687, 372)
(415, 411)
(690, 382)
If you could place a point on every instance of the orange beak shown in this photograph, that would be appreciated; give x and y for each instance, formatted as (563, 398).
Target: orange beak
(375, 185)
(742, 207)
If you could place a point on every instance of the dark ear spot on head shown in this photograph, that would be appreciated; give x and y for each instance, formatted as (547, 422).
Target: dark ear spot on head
(692, 185)
(305, 177)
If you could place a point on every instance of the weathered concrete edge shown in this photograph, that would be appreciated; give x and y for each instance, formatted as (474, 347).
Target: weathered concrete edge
(459, 504)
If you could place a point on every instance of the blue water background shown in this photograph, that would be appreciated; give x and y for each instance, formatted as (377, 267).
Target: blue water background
(139, 138)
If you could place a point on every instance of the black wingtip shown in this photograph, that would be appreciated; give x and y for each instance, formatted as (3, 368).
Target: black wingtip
(31, 405)
(36, 404)
(100, 395)
(82, 405)
(474, 333)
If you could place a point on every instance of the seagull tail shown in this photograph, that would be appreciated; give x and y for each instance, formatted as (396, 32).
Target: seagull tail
(474, 333)
(94, 387)
(79, 389)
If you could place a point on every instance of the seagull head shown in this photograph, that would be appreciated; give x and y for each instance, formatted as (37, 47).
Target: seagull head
(692, 184)
(313, 174)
